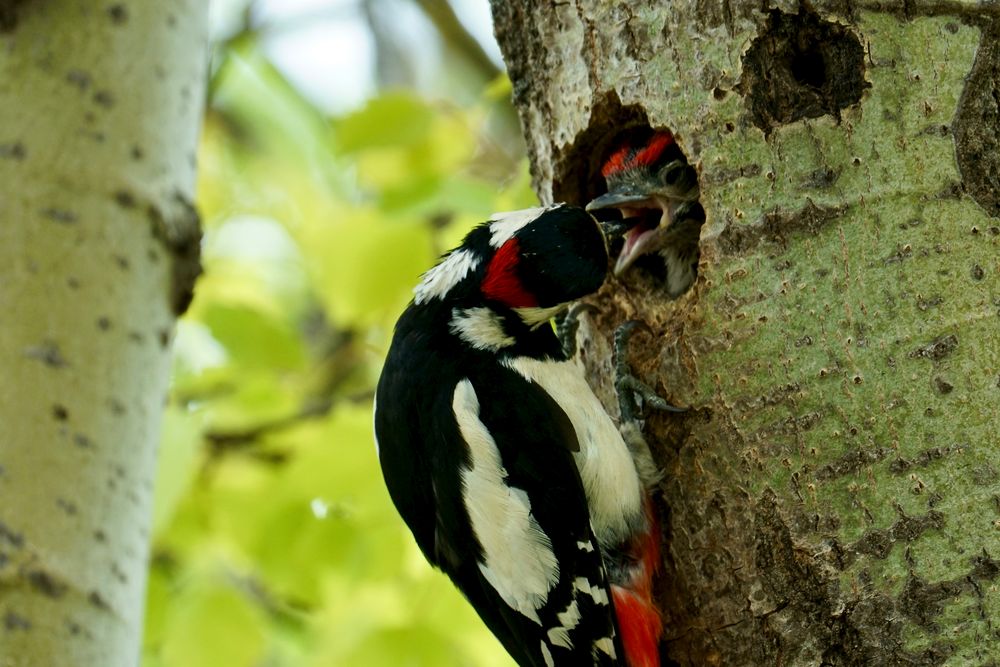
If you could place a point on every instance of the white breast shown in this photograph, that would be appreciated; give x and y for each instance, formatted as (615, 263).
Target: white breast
(610, 480)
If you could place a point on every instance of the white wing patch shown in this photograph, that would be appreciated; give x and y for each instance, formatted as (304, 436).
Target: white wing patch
(598, 593)
(479, 327)
(450, 271)
(587, 546)
(504, 225)
(519, 562)
(547, 656)
(569, 618)
(606, 646)
(610, 480)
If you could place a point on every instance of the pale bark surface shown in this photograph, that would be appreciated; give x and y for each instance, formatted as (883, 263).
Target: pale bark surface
(832, 497)
(100, 105)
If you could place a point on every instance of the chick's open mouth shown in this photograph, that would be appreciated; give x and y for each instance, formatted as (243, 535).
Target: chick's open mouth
(640, 237)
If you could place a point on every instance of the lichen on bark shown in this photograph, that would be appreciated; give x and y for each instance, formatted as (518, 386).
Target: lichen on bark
(830, 498)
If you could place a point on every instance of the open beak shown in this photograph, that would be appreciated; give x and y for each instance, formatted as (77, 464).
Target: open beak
(621, 200)
(650, 204)
(640, 225)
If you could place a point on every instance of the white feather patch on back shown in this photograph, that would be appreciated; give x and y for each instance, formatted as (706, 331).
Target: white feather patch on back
(518, 558)
(479, 327)
(610, 480)
(450, 271)
(504, 225)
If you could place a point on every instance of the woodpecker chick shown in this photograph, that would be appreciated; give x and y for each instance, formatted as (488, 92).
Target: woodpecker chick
(501, 460)
(656, 191)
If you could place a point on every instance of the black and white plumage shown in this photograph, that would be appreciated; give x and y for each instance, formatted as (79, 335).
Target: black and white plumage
(498, 456)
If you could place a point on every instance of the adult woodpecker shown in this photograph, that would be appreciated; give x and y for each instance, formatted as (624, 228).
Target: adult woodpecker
(502, 461)
(653, 185)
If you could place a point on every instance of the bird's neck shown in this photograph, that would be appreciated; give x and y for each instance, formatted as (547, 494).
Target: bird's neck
(504, 332)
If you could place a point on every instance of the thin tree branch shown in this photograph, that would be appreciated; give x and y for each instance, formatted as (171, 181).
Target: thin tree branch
(455, 36)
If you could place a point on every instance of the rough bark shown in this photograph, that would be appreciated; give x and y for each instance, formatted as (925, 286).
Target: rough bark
(832, 496)
(100, 105)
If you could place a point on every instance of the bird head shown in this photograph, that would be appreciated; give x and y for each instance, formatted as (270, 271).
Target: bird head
(533, 262)
(653, 186)
(544, 259)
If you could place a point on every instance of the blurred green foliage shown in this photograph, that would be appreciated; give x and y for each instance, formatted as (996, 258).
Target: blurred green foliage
(275, 543)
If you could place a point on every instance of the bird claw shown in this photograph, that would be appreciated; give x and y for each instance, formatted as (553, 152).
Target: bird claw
(567, 326)
(632, 392)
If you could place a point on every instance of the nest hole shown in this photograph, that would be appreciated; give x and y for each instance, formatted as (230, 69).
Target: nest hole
(801, 66)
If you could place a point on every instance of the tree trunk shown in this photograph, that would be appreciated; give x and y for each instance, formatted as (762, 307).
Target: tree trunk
(831, 497)
(99, 111)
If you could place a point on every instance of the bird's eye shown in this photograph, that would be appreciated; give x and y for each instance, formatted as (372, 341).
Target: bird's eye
(672, 173)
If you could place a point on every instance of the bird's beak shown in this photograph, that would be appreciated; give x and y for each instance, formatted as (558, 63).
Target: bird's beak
(629, 202)
(638, 223)
(632, 198)
(614, 228)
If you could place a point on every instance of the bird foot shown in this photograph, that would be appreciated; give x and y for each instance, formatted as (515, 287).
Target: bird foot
(567, 326)
(632, 392)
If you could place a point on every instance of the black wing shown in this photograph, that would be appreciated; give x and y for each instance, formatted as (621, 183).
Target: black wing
(575, 624)
(479, 463)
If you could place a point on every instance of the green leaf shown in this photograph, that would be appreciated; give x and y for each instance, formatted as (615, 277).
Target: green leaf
(365, 266)
(211, 625)
(407, 647)
(253, 338)
(257, 399)
(394, 119)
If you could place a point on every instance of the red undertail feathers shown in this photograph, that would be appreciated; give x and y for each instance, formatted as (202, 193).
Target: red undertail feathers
(639, 620)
